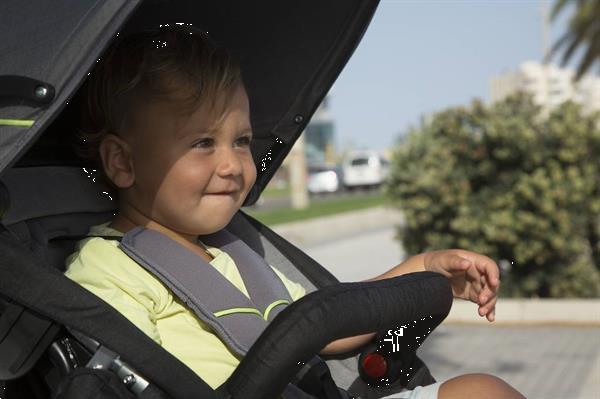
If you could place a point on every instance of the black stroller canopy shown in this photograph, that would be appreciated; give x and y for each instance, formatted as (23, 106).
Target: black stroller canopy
(290, 52)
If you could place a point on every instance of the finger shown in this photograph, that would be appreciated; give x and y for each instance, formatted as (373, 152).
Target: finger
(491, 312)
(487, 292)
(481, 311)
(486, 299)
(489, 280)
(482, 296)
(474, 278)
(459, 263)
(488, 308)
(490, 269)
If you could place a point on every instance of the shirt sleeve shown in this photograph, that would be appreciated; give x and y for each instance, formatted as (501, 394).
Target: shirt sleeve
(102, 269)
(296, 290)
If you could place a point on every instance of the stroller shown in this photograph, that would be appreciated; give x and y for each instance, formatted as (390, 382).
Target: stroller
(59, 340)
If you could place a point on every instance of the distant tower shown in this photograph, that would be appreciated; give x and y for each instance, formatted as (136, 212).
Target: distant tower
(545, 70)
(319, 145)
(545, 10)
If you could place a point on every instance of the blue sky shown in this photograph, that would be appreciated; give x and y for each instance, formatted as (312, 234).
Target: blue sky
(418, 57)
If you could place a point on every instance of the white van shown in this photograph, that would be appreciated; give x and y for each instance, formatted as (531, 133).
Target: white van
(364, 169)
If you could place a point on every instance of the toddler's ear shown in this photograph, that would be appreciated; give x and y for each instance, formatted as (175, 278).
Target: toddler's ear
(116, 160)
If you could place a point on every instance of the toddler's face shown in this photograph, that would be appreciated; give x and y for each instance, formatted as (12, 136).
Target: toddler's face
(192, 174)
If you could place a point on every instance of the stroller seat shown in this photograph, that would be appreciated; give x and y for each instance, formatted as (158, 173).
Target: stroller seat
(46, 210)
(42, 203)
(46, 227)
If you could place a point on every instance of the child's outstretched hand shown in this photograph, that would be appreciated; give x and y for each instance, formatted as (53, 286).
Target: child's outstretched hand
(473, 277)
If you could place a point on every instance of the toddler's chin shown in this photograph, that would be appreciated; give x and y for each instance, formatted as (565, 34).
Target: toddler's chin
(204, 229)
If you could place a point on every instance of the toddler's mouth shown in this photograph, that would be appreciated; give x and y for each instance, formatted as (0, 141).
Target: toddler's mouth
(222, 193)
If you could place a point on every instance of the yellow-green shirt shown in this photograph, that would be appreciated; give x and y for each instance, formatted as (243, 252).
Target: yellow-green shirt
(102, 268)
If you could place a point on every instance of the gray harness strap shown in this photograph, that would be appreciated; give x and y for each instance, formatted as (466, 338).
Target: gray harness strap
(264, 287)
(237, 319)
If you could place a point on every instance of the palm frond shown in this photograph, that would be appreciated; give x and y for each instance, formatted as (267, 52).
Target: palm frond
(588, 60)
(557, 8)
(583, 32)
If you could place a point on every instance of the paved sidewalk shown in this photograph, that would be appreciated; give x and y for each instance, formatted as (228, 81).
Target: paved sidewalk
(546, 349)
(541, 362)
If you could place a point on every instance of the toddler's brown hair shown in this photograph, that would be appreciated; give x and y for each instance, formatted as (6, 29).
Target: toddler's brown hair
(177, 64)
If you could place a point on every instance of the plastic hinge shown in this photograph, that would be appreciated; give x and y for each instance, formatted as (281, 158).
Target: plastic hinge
(16, 89)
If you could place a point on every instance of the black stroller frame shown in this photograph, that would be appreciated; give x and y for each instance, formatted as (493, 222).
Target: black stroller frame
(59, 340)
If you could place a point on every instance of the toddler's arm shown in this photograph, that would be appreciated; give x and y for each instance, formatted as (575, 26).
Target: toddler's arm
(473, 277)
(411, 265)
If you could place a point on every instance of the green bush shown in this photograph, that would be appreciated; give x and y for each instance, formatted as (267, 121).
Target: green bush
(504, 181)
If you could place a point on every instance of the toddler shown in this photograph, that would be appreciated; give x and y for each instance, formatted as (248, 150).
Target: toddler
(167, 119)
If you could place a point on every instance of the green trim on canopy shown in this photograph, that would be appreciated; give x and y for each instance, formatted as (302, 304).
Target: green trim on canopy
(17, 122)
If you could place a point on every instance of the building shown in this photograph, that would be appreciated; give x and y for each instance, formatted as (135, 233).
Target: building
(549, 85)
(319, 145)
(316, 146)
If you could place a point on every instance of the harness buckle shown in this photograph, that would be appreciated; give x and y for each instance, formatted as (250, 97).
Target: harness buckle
(106, 359)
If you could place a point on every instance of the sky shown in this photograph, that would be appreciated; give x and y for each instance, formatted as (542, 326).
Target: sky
(419, 57)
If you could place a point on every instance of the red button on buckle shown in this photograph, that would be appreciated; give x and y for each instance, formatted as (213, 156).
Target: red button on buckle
(375, 365)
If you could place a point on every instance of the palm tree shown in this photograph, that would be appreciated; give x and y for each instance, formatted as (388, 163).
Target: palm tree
(583, 32)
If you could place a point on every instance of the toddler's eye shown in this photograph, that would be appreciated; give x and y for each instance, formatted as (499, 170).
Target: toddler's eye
(244, 141)
(204, 143)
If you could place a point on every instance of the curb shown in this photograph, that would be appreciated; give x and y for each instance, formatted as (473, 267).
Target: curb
(323, 229)
(567, 312)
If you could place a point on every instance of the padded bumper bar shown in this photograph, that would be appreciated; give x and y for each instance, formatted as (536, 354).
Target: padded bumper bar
(338, 311)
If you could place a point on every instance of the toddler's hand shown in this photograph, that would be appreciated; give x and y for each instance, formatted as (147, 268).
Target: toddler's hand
(473, 277)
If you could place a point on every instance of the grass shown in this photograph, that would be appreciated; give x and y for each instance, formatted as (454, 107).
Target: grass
(317, 209)
(276, 192)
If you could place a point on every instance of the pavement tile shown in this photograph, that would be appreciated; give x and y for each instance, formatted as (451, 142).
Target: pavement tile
(542, 362)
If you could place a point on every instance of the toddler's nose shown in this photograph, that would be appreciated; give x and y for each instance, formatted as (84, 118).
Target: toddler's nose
(229, 163)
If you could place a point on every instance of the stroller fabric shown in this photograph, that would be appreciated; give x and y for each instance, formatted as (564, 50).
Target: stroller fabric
(49, 199)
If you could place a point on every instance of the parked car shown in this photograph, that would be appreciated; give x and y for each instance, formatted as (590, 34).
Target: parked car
(364, 169)
(323, 179)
